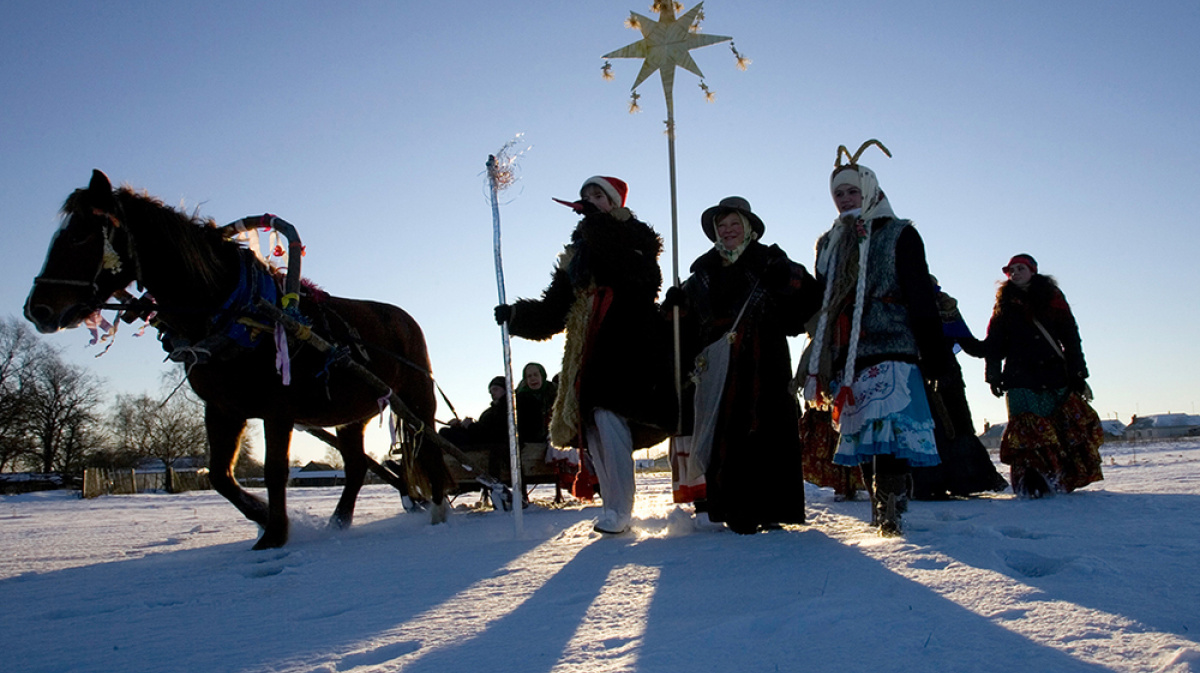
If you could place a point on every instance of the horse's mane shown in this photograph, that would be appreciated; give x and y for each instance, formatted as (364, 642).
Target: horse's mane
(204, 252)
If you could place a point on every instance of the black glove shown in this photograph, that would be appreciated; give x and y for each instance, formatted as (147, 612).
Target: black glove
(777, 274)
(972, 346)
(1078, 384)
(673, 297)
(998, 389)
(503, 313)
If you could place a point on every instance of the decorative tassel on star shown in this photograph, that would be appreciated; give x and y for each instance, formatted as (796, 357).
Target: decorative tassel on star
(633, 102)
(742, 61)
(606, 71)
(633, 22)
(709, 94)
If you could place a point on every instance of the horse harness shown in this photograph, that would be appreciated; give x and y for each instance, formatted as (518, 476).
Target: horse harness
(110, 260)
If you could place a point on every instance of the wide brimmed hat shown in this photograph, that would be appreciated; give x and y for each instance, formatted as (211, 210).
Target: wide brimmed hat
(729, 204)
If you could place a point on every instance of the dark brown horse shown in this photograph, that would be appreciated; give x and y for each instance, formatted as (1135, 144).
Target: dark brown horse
(204, 286)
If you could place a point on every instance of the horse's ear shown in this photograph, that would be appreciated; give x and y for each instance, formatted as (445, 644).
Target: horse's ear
(99, 183)
(100, 190)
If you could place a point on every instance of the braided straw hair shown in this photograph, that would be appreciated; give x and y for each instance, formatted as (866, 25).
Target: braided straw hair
(845, 272)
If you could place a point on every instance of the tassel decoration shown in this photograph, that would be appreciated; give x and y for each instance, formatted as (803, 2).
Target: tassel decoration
(742, 61)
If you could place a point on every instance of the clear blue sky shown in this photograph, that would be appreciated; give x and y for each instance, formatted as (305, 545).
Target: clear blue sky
(1068, 130)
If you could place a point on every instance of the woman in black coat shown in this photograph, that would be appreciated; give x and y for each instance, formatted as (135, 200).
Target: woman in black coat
(754, 476)
(1035, 357)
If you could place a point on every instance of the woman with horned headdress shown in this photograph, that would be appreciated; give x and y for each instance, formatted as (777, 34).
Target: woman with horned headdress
(876, 339)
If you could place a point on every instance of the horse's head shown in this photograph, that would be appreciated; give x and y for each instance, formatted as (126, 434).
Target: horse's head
(88, 261)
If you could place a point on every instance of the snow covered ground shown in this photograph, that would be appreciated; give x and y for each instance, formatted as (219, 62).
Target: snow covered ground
(1101, 580)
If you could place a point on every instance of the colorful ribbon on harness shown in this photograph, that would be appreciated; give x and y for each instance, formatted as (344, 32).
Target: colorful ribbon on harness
(283, 361)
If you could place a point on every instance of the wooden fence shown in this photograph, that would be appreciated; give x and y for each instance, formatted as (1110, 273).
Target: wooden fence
(97, 481)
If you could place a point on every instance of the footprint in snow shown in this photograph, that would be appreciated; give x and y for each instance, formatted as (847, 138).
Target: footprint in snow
(1016, 532)
(1033, 565)
(379, 655)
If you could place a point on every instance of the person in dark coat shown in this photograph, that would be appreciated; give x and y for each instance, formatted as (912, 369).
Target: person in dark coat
(1035, 359)
(616, 393)
(535, 405)
(488, 433)
(754, 476)
(535, 402)
(876, 340)
(492, 425)
(965, 467)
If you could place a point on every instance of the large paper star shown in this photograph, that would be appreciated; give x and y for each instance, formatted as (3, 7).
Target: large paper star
(665, 44)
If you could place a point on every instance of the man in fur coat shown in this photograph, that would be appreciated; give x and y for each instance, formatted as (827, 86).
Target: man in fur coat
(616, 393)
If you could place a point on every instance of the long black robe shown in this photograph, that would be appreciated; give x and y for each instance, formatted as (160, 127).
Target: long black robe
(755, 475)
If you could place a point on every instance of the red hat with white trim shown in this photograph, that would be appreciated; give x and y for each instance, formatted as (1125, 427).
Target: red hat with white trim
(615, 189)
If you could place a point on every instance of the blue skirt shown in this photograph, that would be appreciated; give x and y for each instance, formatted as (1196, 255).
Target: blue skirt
(890, 416)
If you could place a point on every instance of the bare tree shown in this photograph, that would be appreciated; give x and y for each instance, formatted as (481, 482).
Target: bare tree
(247, 466)
(62, 416)
(164, 429)
(333, 458)
(18, 347)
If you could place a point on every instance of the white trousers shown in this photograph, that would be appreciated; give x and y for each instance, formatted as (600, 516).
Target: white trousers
(611, 446)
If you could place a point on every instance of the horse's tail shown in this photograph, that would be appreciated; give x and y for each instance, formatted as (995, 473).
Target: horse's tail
(424, 465)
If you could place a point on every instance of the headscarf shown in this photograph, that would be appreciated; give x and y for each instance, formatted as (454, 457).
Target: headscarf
(545, 394)
(748, 236)
(845, 271)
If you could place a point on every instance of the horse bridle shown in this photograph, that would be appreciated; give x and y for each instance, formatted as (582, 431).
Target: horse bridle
(109, 261)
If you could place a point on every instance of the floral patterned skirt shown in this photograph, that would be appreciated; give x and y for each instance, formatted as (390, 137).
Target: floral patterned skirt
(1055, 433)
(820, 440)
(889, 416)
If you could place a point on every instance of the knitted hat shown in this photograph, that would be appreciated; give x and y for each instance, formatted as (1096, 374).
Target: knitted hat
(498, 381)
(1022, 258)
(734, 204)
(614, 188)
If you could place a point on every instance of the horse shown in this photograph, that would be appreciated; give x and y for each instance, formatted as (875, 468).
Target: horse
(203, 286)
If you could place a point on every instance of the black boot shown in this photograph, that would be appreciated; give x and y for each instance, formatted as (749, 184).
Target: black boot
(890, 495)
(1033, 485)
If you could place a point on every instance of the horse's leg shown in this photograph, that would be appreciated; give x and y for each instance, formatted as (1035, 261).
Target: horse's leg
(275, 469)
(224, 439)
(350, 443)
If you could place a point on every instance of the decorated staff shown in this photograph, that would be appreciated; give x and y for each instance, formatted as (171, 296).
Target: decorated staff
(664, 45)
(501, 171)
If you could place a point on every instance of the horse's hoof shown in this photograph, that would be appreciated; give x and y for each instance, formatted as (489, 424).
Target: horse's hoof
(439, 512)
(340, 522)
(264, 543)
(271, 541)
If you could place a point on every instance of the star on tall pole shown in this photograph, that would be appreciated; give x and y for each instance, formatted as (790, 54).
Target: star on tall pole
(665, 45)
